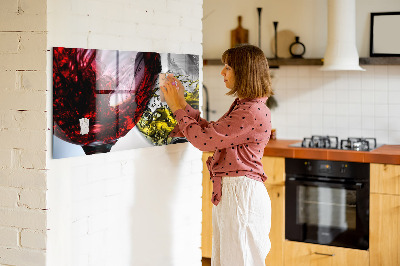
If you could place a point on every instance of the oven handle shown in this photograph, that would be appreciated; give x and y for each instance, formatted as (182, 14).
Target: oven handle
(357, 185)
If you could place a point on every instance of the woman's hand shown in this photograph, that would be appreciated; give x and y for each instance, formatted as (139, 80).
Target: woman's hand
(173, 91)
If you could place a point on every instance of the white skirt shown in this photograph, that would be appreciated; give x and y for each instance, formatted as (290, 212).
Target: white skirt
(241, 223)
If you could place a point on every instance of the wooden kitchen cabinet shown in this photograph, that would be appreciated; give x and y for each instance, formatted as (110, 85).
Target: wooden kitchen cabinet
(206, 232)
(384, 236)
(277, 233)
(385, 178)
(274, 168)
(305, 254)
(385, 215)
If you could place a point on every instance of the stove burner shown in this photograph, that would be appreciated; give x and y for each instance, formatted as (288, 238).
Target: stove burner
(358, 144)
(328, 142)
(332, 142)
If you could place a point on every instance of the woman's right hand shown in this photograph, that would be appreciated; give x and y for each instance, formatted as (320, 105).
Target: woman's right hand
(174, 93)
(181, 88)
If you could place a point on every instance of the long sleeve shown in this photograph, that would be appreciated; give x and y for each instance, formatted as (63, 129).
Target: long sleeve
(231, 130)
(193, 113)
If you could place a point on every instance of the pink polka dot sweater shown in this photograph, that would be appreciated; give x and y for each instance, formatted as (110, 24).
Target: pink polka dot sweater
(238, 139)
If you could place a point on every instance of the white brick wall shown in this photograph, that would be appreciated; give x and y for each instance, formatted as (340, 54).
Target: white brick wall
(23, 218)
(23, 16)
(33, 198)
(9, 197)
(136, 207)
(23, 178)
(23, 256)
(100, 206)
(23, 132)
(33, 239)
(9, 237)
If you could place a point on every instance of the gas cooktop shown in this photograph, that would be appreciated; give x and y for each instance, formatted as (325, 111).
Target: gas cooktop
(332, 142)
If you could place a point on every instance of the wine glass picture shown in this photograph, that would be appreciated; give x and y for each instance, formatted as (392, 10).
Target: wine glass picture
(101, 97)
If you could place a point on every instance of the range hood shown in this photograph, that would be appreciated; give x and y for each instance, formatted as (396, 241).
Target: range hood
(341, 51)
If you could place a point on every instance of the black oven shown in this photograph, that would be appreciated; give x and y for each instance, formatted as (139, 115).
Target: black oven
(327, 202)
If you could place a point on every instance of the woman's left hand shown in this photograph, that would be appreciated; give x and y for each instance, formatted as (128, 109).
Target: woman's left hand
(173, 91)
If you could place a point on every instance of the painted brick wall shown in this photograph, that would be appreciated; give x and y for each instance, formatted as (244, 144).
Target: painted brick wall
(23, 132)
(137, 207)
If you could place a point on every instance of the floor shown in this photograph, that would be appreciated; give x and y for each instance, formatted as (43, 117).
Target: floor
(206, 261)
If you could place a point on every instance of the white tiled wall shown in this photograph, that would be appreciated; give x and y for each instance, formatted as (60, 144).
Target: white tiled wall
(312, 102)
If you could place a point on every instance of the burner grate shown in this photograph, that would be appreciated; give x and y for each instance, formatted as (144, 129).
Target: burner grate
(358, 144)
(327, 142)
(332, 142)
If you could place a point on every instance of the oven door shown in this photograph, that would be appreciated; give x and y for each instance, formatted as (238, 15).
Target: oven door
(327, 213)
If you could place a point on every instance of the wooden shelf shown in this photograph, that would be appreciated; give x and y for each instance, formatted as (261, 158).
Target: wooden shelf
(380, 61)
(274, 63)
(212, 62)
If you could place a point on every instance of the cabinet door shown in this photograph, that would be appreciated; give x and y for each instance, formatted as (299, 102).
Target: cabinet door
(385, 178)
(206, 233)
(277, 233)
(384, 237)
(274, 168)
(304, 254)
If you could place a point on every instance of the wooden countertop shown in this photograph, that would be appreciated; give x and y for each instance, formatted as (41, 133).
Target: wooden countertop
(389, 154)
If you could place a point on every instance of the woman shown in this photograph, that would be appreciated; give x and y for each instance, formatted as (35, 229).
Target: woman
(242, 208)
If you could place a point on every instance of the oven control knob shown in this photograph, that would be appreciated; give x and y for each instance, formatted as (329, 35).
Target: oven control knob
(308, 166)
(343, 168)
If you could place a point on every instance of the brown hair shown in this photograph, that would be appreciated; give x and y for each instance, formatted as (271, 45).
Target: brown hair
(250, 66)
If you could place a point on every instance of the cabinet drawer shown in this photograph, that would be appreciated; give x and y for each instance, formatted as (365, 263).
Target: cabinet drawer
(385, 178)
(305, 254)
